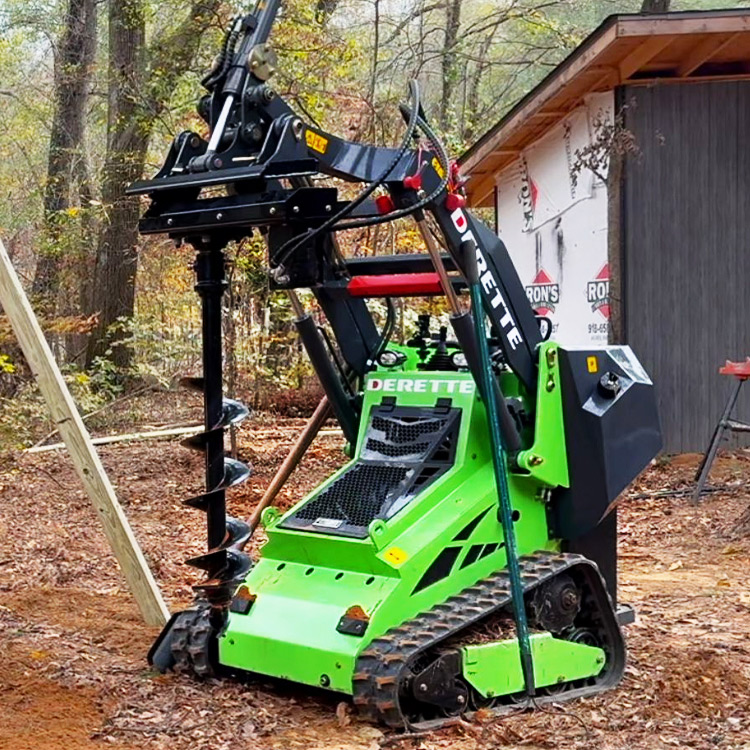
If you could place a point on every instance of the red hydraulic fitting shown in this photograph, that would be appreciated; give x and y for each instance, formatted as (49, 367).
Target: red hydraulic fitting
(456, 181)
(385, 204)
(414, 182)
(454, 201)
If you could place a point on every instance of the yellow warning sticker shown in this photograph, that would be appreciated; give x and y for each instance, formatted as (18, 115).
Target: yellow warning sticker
(395, 556)
(438, 167)
(316, 142)
(593, 364)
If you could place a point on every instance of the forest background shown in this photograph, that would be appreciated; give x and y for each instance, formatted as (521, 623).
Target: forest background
(92, 93)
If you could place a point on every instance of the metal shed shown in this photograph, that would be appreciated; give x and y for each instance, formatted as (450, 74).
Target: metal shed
(621, 185)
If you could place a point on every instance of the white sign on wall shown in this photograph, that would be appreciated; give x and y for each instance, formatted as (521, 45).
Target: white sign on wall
(552, 216)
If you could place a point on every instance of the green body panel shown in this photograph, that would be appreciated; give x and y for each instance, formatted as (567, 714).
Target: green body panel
(411, 363)
(306, 581)
(494, 668)
(290, 631)
(546, 460)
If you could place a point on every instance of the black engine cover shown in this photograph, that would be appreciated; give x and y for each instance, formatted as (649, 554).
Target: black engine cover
(611, 432)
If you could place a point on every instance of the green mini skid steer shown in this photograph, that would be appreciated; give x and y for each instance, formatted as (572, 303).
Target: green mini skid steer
(465, 557)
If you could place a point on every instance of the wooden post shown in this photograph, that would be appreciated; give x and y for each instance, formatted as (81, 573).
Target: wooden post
(78, 441)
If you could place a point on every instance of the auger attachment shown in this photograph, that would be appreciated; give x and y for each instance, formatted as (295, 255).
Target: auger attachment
(232, 413)
(224, 563)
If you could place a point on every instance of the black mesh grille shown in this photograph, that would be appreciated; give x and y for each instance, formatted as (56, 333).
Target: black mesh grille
(405, 450)
(357, 496)
(408, 438)
(444, 451)
(396, 451)
(407, 429)
(426, 475)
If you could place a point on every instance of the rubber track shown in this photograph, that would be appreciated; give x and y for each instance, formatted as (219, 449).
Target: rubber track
(383, 665)
(191, 641)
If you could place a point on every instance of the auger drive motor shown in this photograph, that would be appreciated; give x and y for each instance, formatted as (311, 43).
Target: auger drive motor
(465, 556)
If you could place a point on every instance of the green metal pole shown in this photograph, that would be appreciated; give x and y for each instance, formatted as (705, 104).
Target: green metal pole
(499, 463)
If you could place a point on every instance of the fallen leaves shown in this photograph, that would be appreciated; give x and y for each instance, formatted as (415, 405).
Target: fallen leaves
(343, 715)
(687, 682)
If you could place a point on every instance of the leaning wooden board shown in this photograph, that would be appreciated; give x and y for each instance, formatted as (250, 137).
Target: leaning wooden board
(78, 441)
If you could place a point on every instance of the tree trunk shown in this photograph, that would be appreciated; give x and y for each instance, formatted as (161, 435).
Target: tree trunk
(450, 61)
(73, 71)
(141, 82)
(474, 81)
(742, 528)
(127, 141)
(655, 6)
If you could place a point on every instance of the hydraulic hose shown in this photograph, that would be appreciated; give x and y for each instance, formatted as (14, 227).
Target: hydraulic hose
(289, 247)
(464, 330)
(442, 155)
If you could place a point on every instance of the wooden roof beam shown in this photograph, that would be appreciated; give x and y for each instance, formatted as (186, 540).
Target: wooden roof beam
(703, 52)
(609, 79)
(642, 55)
(610, 59)
(482, 189)
(547, 92)
(669, 80)
(718, 22)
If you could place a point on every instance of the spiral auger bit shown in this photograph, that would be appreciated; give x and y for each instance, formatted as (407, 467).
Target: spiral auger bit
(224, 562)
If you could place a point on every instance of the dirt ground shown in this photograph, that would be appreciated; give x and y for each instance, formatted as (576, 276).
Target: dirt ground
(74, 675)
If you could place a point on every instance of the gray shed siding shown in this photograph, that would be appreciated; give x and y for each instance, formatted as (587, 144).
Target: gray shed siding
(686, 247)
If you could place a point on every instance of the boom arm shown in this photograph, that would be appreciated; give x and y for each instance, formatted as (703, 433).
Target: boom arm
(265, 156)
